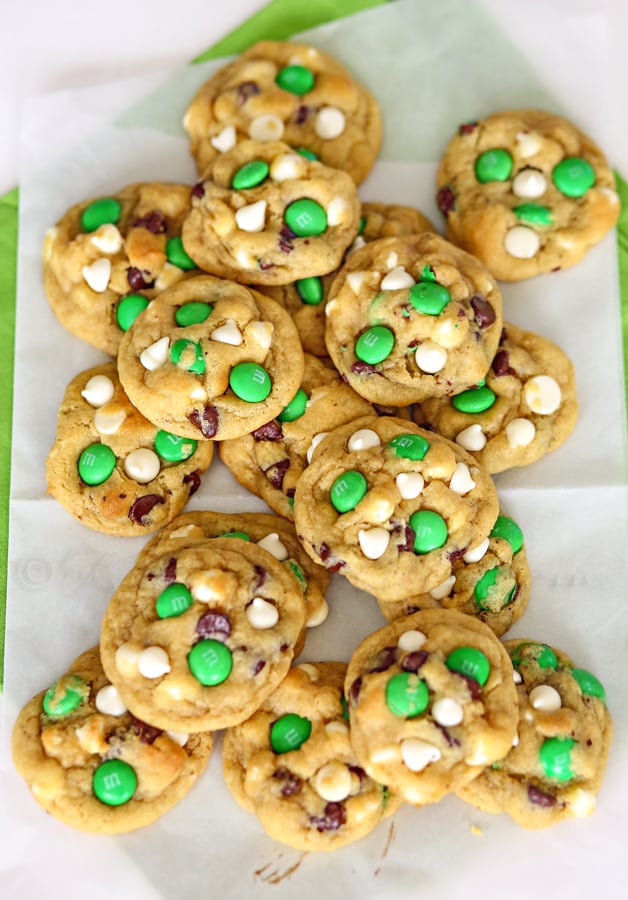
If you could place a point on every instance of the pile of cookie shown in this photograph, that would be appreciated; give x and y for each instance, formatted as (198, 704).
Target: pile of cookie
(353, 369)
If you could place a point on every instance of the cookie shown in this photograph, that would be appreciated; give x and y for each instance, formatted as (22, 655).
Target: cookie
(111, 468)
(412, 317)
(293, 765)
(270, 460)
(91, 764)
(107, 257)
(491, 581)
(525, 407)
(526, 192)
(291, 92)
(196, 639)
(555, 767)
(211, 359)
(431, 701)
(391, 507)
(265, 214)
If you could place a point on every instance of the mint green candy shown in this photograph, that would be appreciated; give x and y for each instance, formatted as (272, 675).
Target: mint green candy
(427, 274)
(375, 344)
(308, 154)
(210, 662)
(250, 175)
(188, 355)
(430, 530)
(475, 400)
(105, 211)
(298, 573)
(129, 308)
(236, 534)
(362, 224)
(573, 176)
(173, 448)
(410, 446)
(530, 651)
(295, 409)
(555, 758)
(493, 165)
(508, 530)
(407, 695)
(58, 703)
(310, 290)
(250, 382)
(177, 255)
(193, 313)
(429, 297)
(306, 218)
(173, 601)
(589, 684)
(295, 79)
(347, 490)
(96, 464)
(484, 589)
(289, 733)
(114, 782)
(533, 213)
(471, 662)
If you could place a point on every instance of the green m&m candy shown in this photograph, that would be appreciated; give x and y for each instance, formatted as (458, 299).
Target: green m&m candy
(347, 491)
(296, 79)
(114, 782)
(250, 175)
(250, 381)
(407, 695)
(129, 308)
(236, 534)
(489, 591)
(471, 662)
(308, 154)
(188, 355)
(210, 662)
(589, 684)
(105, 211)
(289, 733)
(533, 213)
(173, 601)
(475, 400)
(555, 758)
(96, 463)
(573, 176)
(193, 313)
(430, 530)
(427, 274)
(410, 446)
(177, 255)
(306, 217)
(493, 165)
(173, 448)
(295, 409)
(374, 345)
(65, 695)
(508, 530)
(310, 290)
(298, 573)
(429, 297)
(362, 224)
(530, 651)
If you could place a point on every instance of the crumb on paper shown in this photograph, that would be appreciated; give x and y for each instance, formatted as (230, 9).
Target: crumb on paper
(477, 831)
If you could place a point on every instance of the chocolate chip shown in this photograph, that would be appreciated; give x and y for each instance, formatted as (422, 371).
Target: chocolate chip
(467, 127)
(207, 422)
(413, 661)
(285, 246)
(170, 572)
(277, 473)
(271, 431)
(475, 688)
(409, 536)
(198, 190)
(143, 506)
(484, 312)
(446, 200)
(302, 113)
(154, 221)
(354, 690)
(146, 733)
(291, 783)
(194, 480)
(384, 660)
(357, 770)
(362, 368)
(247, 89)
(136, 279)
(261, 576)
(334, 817)
(454, 555)
(331, 563)
(291, 492)
(259, 665)
(451, 740)
(539, 797)
(501, 364)
(214, 624)
(265, 264)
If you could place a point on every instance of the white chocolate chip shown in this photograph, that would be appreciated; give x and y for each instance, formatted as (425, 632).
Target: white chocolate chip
(430, 357)
(330, 306)
(266, 128)
(520, 432)
(411, 640)
(142, 465)
(225, 140)
(332, 782)
(355, 280)
(210, 585)
(229, 333)
(251, 218)
(169, 275)
(127, 656)
(109, 702)
(545, 698)
(580, 802)
(409, 484)
(330, 122)
(273, 545)
(261, 333)
(179, 737)
(461, 481)
(107, 238)
(529, 183)
(392, 260)
(515, 740)
(98, 390)
(262, 614)
(318, 616)
(314, 444)
(521, 242)
(337, 726)
(475, 554)
(311, 671)
(386, 754)
(471, 438)
(542, 394)
(447, 334)
(528, 143)
(357, 243)
(397, 280)
(153, 662)
(337, 211)
(97, 274)
(444, 589)
(418, 754)
(199, 394)
(244, 259)
(516, 677)
(477, 759)
(447, 712)
(109, 422)
(373, 542)
(155, 355)
(286, 167)
(363, 439)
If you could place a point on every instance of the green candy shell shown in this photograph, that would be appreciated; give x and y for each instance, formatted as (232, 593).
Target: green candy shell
(374, 345)
(193, 313)
(589, 684)
(555, 758)
(493, 165)
(114, 782)
(75, 691)
(474, 401)
(508, 529)
(295, 409)
(410, 446)
(308, 154)
(172, 448)
(533, 213)
(573, 176)
(250, 175)
(177, 255)
(310, 290)
(105, 211)
(430, 530)
(96, 464)
(289, 733)
(482, 590)
(181, 354)
(295, 79)
(129, 308)
(429, 297)
(236, 534)
(210, 662)
(250, 382)
(407, 695)
(173, 601)
(531, 651)
(471, 662)
(306, 218)
(347, 491)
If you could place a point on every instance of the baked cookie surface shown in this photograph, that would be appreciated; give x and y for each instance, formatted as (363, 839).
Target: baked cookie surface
(91, 764)
(111, 468)
(526, 192)
(292, 92)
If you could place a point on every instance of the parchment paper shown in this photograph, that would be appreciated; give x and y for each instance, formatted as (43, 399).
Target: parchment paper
(431, 67)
